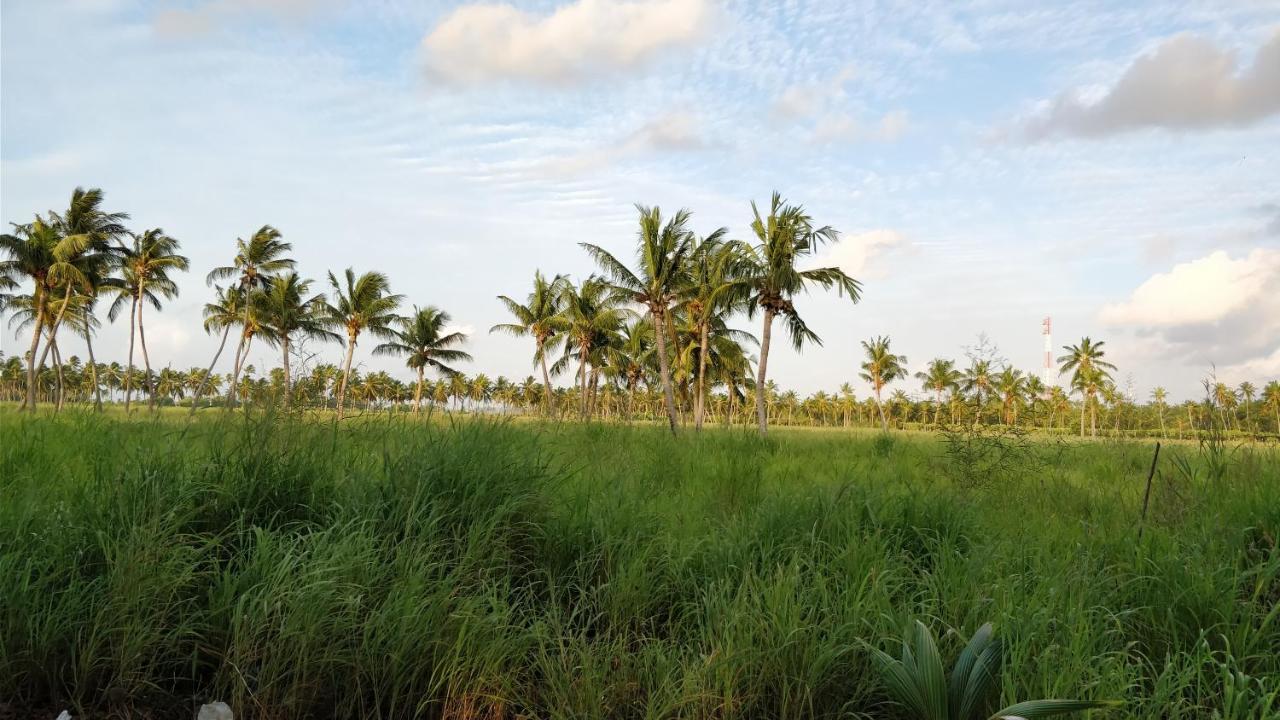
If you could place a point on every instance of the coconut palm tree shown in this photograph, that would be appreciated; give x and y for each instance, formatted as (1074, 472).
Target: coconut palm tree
(1271, 398)
(226, 311)
(1226, 400)
(710, 295)
(264, 254)
(86, 323)
(363, 304)
(1089, 373)
(1012, 385)
(1158, 398)
(881, 368)
(144, 279)
(979, 379)
(938, 378)
(287, 313)
(662, 255)
(1247, 391)
(770, 276)
(591, 319)
(631, 357)
(95, 233)
(540, 319)
(55, 264)
(421, 337)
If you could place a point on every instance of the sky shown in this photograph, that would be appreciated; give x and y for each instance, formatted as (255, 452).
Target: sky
(1113, 165)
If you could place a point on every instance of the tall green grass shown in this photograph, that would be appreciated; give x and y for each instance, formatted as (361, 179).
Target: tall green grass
(391, 568)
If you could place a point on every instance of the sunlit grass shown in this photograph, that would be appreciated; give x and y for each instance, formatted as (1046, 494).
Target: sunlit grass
(394, 567)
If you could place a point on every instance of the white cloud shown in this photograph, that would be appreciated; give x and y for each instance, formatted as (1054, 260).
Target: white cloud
(857, 254)
(482, 43)
(1213, 309)
(1200, 291)
(1186, 83)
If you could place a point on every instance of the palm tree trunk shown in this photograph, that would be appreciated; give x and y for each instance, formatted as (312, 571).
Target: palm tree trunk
(57, 364)
(93, 368)
(417, 393)
(346, 373)
(128, 373)
(884, 421)
(664, 368)
(582, 380)
(700, 400)
(57, 323)
(937, 410)
(1084, 403)
(30, 401)
(146, 358)
(242, 356)
(235, 368)
(204, 382)
(1093, 418)
(762, 413)
(548, 403)
(288, 386)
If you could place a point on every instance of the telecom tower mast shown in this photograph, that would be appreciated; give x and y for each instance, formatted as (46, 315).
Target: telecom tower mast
(1046, 326)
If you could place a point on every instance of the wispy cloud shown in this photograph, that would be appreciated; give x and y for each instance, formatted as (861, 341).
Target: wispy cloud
(209, 15)
(677, 131)
(483, 43)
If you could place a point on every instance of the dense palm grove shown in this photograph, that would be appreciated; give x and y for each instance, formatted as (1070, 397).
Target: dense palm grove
(649, 340)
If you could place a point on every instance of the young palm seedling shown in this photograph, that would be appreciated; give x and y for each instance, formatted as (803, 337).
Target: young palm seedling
(917, 681)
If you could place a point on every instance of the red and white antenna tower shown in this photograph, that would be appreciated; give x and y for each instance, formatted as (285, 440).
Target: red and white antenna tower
(1046, 327)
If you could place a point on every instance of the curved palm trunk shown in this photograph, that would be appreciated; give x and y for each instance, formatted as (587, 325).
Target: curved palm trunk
(57, 364)
(417, 394)
(582, 380)
(762, 413)
(346, 373)
(53, 329)
(235, 368)
(30, 400)
(204, 381)
(884, 420)
(242, 355)
(700, 400)
(128, 373)
(146, 358)
(1093, 417)
(664, 369)
(288, 384)
(93, 369)
(548, 401)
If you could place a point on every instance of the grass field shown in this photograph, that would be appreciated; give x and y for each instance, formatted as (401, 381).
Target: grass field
(391, 568)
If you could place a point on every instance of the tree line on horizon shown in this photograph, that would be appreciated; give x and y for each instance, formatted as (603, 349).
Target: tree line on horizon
(647, 340)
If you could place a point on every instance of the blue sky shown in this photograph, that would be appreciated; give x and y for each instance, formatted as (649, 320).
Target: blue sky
(1113, 165)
